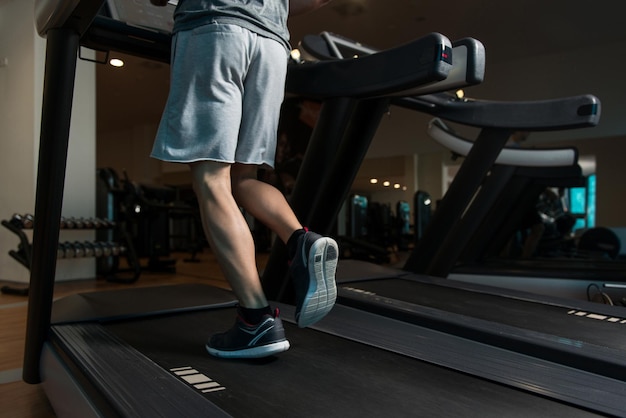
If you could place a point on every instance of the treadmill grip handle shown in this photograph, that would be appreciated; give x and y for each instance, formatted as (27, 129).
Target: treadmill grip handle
(538, 115)
(381, 74)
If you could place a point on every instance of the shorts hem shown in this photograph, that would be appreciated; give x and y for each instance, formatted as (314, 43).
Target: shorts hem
(217, 160)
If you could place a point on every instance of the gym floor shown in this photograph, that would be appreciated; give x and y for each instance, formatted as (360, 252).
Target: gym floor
(21, 400)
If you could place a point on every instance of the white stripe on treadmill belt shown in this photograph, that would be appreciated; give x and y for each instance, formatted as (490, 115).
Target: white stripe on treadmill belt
(196, 379)
(210, 387)
(177, 369)
(597, 317)
(186, 372)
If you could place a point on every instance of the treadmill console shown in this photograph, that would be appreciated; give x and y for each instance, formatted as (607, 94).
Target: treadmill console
(143, 14)
(54, 14)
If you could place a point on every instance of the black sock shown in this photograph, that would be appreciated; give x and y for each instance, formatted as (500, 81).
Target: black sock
(292, 242)
(254, 316)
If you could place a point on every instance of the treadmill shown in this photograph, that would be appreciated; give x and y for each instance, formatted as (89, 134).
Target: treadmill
(576, 334)
(523, 174)
(139, 352)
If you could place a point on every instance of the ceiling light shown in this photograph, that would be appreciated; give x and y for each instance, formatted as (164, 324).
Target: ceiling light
(386, 184)
(373, 181)
(396, 186)
(116, 62)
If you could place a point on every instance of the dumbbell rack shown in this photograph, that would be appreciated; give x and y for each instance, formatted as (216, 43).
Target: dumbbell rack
(73, 250)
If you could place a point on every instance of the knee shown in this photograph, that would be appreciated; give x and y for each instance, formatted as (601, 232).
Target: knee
(207, 183)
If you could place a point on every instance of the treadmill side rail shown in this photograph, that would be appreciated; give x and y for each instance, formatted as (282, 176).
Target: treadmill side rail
(132, 382)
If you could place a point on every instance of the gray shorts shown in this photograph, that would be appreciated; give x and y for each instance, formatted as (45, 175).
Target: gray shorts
(226, 90)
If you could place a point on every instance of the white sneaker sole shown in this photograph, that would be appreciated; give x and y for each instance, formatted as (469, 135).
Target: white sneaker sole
(322, 293)
(252, 352)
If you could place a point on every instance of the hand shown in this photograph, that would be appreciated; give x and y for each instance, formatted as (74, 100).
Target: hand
(159, 2)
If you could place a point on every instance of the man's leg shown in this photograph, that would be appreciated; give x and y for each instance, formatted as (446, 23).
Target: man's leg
(258, 332)
(313, 257)
(263, 201)
(227, 231)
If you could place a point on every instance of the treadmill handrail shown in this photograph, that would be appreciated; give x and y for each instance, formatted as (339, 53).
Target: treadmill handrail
(390, 72)
(534, 115)
(555, 157)
(468, 59)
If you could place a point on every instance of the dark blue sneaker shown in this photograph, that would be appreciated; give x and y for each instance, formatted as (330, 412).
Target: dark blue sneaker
(313, 273)
(250, 341)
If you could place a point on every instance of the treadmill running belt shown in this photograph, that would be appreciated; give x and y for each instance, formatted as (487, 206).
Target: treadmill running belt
(322, 375)
(601, 330)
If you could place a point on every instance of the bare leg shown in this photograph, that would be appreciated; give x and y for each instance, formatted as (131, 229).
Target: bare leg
(263, 201)
(227, 231)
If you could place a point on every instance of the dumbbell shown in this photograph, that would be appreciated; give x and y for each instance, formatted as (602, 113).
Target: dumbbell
(88, 223)
(89, 250)
(28, 221)
(79, 249)
(115, 249)
(68, 223)
(97, 249)
(104, 247)
(17, 221)
(68, 250)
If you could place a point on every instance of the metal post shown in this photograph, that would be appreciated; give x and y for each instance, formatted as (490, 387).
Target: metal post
(478, 162)
(458, 237)
(323, 144)
(60, 73)
(346, 164)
